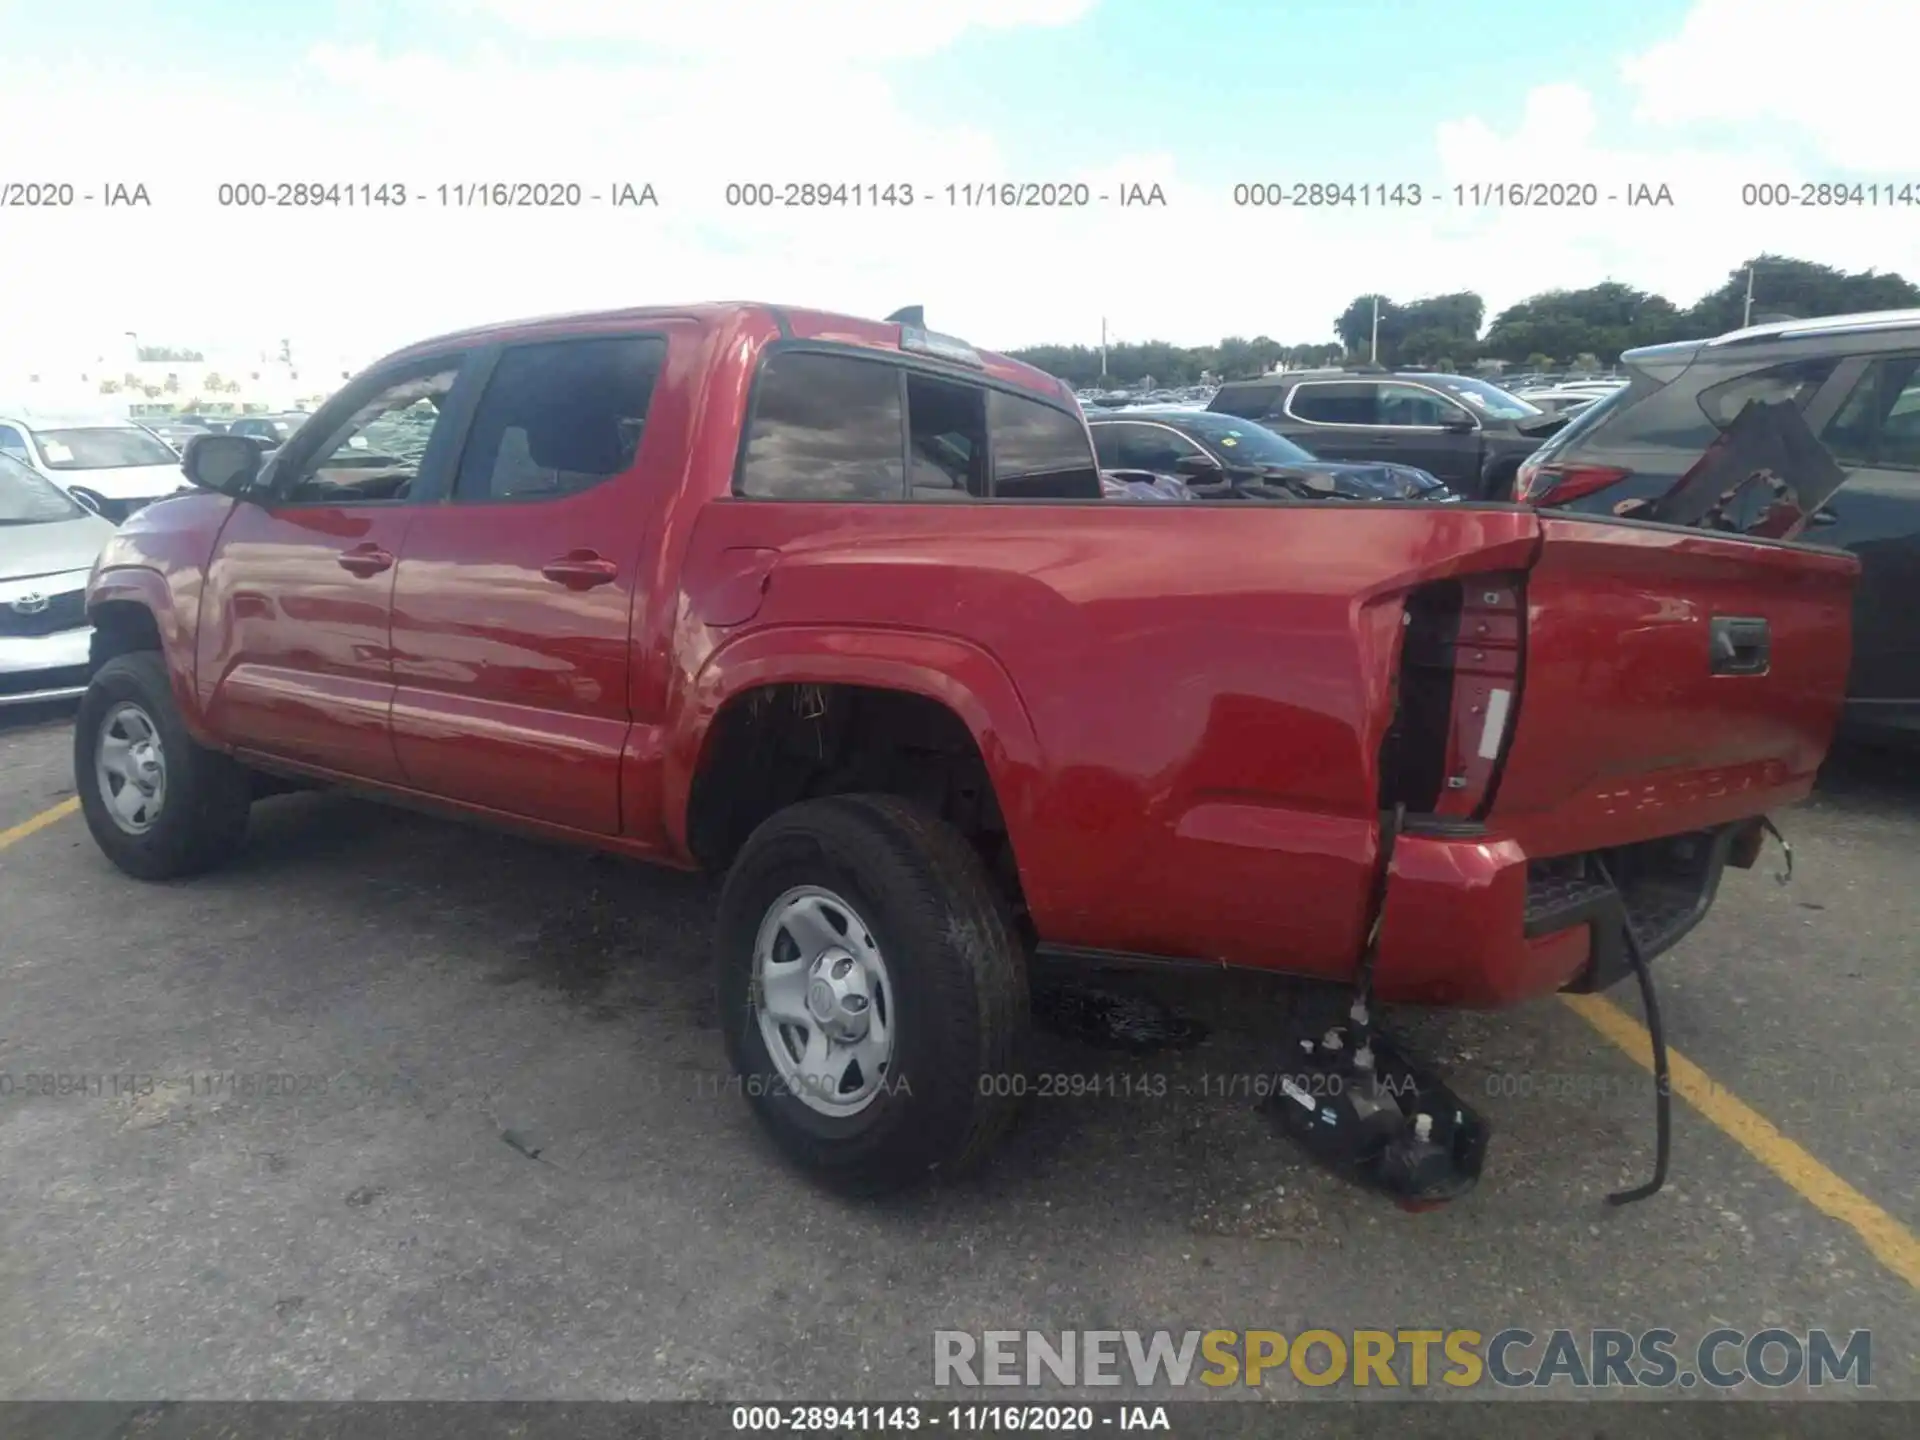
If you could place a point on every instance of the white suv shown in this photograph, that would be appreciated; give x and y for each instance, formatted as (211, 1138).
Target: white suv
(109, 464)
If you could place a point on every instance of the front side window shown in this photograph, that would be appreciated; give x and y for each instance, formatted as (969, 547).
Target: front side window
(12, 442)
(102, 447)
(375, 453)
(1335, 403)
(559, 418)
(825, 427)
(1410, 406)
(1039, 453)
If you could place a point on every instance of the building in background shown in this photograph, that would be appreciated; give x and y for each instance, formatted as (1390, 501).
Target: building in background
(129, 376)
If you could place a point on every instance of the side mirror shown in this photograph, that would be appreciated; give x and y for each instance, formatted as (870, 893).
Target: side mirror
(84, 499)
(1459, 425)
(1198, 467)
(228, 464)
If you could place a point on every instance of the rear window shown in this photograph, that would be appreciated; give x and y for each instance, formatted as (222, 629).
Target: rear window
(1582, 423)
(1793, 383)
(831, 427)
(104, 447)
(825, 427)
(1039, 453)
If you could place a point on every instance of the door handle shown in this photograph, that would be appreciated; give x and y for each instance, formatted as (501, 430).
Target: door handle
(581, 570)
(365, 560)
(1741, 645)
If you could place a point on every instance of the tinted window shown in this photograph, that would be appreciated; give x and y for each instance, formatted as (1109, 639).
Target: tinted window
(1249, 402)
(825, 427)
(1790, 383)
(1146, 447)
(1331, 403)
(12, 442)
(1411, 405)
(1879, 423)
(1039, 453)
(946, 439)
(559, 418)
(376, 452)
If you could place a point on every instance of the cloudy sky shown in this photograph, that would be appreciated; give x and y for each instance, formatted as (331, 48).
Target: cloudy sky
(1702, 96)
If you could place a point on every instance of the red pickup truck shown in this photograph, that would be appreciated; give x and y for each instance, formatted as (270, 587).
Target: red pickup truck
(837, 608)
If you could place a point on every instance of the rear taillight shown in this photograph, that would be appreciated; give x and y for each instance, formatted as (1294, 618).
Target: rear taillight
(1456, 696)
(1559, 484)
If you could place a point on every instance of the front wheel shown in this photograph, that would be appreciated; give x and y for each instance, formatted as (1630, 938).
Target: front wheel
(872, 991)
(158, 804)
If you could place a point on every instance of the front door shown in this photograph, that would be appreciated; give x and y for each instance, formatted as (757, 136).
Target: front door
(514, 601)
(294, 657)
(1418, 426)
(1875, 435)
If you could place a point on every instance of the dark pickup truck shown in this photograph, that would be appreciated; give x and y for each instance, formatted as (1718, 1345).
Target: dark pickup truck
(836, 608)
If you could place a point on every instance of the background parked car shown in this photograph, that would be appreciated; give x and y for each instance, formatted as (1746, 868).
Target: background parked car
(110, 464)
(1854, 382)
(1220, 454)
(48, 543)
(272, 431)
(176, 430)
(1466, 431)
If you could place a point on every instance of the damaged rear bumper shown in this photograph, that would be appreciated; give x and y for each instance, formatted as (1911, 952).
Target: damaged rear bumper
(1471, 920)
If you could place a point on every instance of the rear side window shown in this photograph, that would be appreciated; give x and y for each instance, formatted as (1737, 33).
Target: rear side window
(1039, 453)
(1336, 404)
(559, 418)
(825, 427)
(1247, 402)
(946, 439)
(1793, 384)
(1879, 422)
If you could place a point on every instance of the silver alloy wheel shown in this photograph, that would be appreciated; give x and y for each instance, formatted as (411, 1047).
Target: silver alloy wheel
(824, 1001)
(130, 765)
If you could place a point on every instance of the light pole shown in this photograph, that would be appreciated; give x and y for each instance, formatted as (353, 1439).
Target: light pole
(1103, 347)
(1746, 315)
(1373, 351)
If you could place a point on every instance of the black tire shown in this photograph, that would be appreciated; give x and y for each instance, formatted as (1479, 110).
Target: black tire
(203, 816)
(956, 968)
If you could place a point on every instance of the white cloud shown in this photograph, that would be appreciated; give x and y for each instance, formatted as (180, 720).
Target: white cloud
(742, 90)
(800, 31)
(1838, 72)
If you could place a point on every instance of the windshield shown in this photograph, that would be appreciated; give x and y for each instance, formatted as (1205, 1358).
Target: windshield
(30, 499)
(1242, 441)
(103, 447)
(1491, 399)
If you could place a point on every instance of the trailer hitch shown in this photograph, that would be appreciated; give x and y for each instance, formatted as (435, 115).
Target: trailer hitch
(1354, 1100)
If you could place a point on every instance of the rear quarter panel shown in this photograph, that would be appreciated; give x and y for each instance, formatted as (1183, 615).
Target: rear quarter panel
(1201, 690)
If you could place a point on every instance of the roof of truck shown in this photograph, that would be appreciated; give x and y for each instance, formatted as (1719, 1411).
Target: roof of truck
(793, 322)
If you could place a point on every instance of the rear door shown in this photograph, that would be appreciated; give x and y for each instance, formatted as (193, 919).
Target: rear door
(1668, 676)
(514, 600)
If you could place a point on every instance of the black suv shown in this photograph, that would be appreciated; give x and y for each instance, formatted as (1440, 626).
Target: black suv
(1849, 386)
(1471, 434)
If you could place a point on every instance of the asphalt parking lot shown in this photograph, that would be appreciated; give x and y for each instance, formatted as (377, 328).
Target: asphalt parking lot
(503, 1161)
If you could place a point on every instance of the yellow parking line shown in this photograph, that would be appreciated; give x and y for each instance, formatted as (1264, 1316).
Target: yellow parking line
(1892, 1244)
(37, 823)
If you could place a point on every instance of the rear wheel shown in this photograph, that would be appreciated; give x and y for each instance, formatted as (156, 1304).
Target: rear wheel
(159, 805)
(872, 990)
